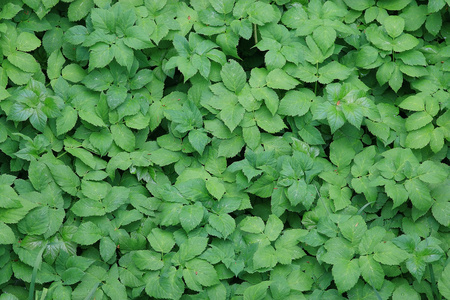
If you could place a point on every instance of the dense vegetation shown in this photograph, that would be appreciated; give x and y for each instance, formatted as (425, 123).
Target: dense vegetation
(224, 149)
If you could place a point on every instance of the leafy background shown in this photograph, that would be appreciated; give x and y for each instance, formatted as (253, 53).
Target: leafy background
(224, 149)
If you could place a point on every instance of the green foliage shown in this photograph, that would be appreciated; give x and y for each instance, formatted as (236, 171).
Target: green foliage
(224, 149)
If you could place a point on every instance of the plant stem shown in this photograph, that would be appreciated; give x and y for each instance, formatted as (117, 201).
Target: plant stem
(255, 33)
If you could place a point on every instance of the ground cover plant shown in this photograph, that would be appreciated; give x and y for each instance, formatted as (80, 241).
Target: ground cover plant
(224, 149)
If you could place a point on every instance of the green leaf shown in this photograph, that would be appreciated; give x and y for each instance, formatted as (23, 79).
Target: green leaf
(417, 120)
(123, 137)
(274, 226)
(257, 291)
(333, 71)
(202, 272)
(215, 187)
(353, 229)
(404, 42)
(116, 95)
(233, 76)
(191, 216)
(444, 282)
(359, 4)
(252, 224)
(268, 122)
(371, 271)
(79, 9)
(147, 260)
(7, 236)
(101, 140)
(198, 139)
(10, 10)
(397, 192)
(116, 197)
(341, 152)
(389, 254)
(87, 234)
(107, 248)
(264, 257)
(123, 54)
(161, 240)
(100, 55)
(393, 4)
(419, 194)
(296, 103)
(414, 102)
(65, 178)
(24, 61)
(163, 157)
(432, 172)
(324, 37)
(405, 291)
(231, 147)
(223, 223)
(418, 139)
(222, 6)
(394, 25)
(346, 274)
(260, 13)
(434, 23)
(279, 79)
(27, 42)
(74, 73)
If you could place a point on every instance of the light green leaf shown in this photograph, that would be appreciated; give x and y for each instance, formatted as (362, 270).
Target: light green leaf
(147, 260)
(231, 147)
(257, 291)
(345, 274)
(191, 216)
(296, 103)
(87, 234)
(274, 226)
(100, 54)
(215, 187)
(161, 240)
(341, 152)
(432, 172)
(418, 139)
(203, 272)
(371, 271)
(261, 13)
(333, 71)
(123, 54)
(324, 37)
(27, 42)
(74, 73)
(359, 4)
(389, 254)
(198, 139)
(7, 236)
(419, 194)
(233, 76)
(252, 224)
(67, 120)
(265, 257)
(405, 291)
(397, 192)
(232, 114)
(222, 6)
(353, 229)
(404, 42)
(163, 157)
(279, 79)
(101, 140)
(24, 61)
(79, 9)
(269, 123)
(123, 137)
(223, 223)
(444, 282)
(394, 25)
(65, 178)
(107, 248)
(393, 4)
(415, 102)
(417, 120)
